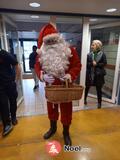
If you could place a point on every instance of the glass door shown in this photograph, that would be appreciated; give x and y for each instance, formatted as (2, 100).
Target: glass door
(13, 48)
(108, 33)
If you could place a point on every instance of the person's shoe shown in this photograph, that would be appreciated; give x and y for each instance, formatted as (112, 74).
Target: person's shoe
(35, 87)
(7, 129)
(15, 122)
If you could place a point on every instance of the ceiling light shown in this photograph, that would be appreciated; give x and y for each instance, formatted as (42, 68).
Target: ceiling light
(34, 4)
(34, 16)
(111, 10)
(93, 19)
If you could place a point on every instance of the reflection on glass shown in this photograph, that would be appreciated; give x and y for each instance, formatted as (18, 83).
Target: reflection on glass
(13, 48)
(71, 30)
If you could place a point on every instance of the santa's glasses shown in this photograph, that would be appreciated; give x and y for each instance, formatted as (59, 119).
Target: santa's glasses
(51, 41)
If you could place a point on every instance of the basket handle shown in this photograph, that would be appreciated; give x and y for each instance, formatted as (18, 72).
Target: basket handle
(66, 83)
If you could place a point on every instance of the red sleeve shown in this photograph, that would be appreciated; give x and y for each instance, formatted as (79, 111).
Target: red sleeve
(75, 65)
(38, 69)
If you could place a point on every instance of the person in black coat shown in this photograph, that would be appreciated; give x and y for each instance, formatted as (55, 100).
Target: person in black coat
(8, 93)
(96, 61)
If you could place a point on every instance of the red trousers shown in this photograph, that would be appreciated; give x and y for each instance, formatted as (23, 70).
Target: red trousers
(65, 109)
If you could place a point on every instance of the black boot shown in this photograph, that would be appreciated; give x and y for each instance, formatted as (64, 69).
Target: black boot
(66, 135)
(52, 130)
(86, 93)
(99, 95)
(99, 105)
(85, 102)
(85, 99)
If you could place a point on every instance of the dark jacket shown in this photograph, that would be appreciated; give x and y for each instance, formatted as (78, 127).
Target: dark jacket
(32, 59)
(7, 63)
(95, 75)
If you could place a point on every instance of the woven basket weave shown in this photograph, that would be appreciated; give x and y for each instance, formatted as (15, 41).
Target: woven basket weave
(63, 93)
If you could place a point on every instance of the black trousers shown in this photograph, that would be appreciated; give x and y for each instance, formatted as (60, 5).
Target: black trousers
(99, 93)
(4, 107)
(12, 94)
(8, 102)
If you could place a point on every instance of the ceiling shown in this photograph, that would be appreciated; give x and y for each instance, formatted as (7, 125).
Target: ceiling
(97, 7)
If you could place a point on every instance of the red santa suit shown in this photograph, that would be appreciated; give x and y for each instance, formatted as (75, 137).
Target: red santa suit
(56, 62)
(49, 61)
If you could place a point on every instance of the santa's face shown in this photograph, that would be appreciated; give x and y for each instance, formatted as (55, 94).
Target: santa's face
(94, 47)
(51, 41)
(54, 57)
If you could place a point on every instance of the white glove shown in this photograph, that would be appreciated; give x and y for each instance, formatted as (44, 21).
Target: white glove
(48, 78)
(67, 77)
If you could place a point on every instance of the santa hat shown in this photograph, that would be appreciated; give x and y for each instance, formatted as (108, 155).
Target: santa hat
(46, 32)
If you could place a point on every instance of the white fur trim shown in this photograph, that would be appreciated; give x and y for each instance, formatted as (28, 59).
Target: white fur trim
(53, 35)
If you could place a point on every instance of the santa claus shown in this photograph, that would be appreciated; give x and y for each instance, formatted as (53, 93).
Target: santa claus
(56, 62)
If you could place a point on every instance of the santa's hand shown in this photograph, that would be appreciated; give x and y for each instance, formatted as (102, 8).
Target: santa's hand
(67, 77)
(48, 78)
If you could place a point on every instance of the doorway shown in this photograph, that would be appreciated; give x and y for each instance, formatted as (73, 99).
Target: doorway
(27, 47)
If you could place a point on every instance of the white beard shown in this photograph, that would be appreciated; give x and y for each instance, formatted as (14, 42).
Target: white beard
(54, 59)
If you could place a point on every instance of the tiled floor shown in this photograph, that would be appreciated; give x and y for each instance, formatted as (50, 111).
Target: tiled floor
(35, 103)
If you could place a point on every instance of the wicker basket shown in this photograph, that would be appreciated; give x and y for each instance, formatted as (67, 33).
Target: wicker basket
(63, 93)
